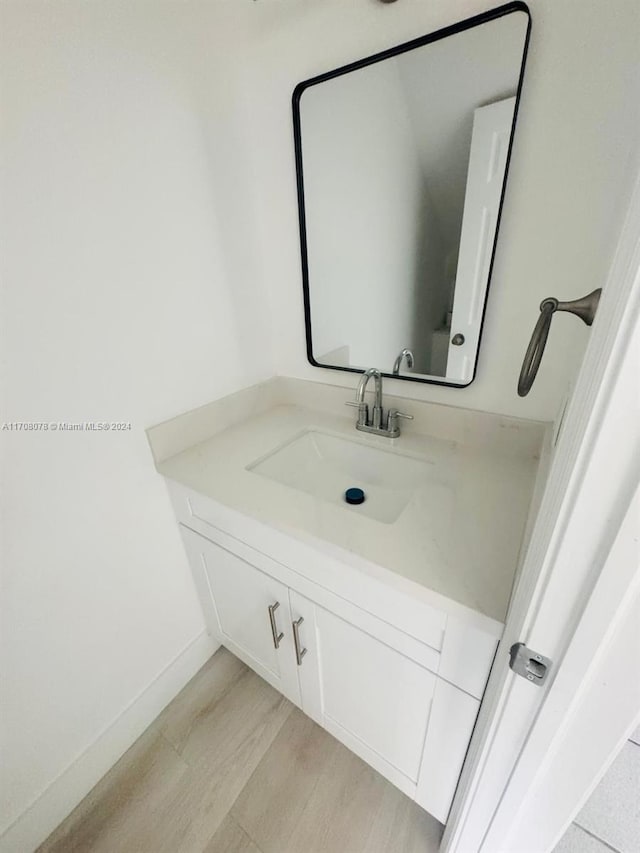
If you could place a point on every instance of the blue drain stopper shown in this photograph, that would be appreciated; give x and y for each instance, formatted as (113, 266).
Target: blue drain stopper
(354, 496)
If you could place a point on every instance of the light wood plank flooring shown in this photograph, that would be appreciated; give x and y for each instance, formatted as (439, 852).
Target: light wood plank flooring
(230, 766)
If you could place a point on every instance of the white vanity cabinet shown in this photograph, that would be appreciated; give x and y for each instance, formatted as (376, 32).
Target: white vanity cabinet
(376, 688)
(398, 614)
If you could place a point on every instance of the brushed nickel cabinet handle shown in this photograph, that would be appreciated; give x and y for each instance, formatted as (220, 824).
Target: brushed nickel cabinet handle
(300, 653)
(274, 628)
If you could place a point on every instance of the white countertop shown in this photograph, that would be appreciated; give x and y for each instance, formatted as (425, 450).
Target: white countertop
(460, 536)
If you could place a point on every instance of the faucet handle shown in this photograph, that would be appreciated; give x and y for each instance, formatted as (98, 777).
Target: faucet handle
(392, 421)
(363, 411)
(394, 413)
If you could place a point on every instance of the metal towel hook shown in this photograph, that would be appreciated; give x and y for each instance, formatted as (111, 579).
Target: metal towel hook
(585, 308)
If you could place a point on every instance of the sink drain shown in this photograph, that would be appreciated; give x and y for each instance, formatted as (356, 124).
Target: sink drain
(354, 496)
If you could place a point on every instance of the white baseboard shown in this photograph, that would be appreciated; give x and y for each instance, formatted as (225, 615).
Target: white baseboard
(60, 798)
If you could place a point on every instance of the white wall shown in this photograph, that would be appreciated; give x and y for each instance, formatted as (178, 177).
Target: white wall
(130, 293)
(568, 182)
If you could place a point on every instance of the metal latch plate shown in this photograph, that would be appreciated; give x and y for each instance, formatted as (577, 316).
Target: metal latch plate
(529, 664)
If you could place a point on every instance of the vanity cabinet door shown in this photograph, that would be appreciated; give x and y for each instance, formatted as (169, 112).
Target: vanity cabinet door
(453, 716)
(368, 695)
(248, 610)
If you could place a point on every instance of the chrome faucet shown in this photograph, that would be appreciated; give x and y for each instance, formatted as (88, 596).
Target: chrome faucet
(374, 424)
(397, 364)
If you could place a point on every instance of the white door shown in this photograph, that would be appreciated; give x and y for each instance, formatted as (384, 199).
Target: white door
(368, 695)
(530, 763)
(249, 612)
(485, 177)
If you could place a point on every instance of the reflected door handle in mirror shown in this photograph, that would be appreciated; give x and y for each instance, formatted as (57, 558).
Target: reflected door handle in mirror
(457, 340)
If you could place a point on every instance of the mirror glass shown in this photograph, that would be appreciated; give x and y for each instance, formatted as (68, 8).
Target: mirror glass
(401, 162)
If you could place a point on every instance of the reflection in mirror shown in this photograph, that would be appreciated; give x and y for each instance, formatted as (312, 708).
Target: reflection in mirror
(401, 166)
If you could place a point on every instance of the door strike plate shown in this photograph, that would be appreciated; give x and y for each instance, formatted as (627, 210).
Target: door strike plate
(529, 664)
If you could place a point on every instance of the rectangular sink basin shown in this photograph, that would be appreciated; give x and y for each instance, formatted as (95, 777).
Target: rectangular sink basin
(326, 465)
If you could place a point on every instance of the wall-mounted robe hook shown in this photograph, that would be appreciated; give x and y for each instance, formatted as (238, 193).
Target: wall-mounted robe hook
(585, 308)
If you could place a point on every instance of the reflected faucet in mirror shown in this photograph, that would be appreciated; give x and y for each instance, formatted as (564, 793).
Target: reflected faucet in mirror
(374, 424)
(405, 353)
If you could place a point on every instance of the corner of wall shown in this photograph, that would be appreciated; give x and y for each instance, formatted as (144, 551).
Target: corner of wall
(59, 799)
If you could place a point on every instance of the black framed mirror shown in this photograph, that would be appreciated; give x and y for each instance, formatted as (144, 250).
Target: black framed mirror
(402, 160)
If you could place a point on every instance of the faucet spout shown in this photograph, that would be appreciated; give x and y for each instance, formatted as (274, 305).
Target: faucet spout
(362, 385)
(376, 419)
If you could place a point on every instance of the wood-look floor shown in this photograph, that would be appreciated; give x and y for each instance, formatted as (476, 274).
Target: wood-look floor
(230, 766)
